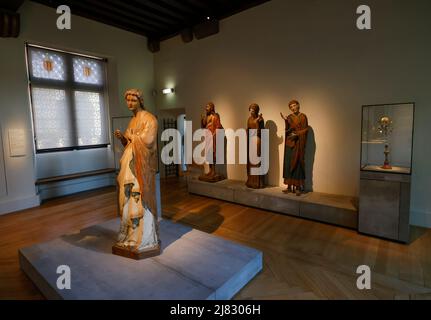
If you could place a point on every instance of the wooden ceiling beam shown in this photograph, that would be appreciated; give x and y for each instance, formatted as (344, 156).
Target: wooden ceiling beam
(157, 8)
(136, 8)
(11, 5)
(129, 17)
(98, 13)
(113, 23)
(206, 7)
(156, 19)
(103, 17)
(179, 5)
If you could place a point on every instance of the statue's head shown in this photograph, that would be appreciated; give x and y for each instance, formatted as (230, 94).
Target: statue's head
(254, 109)
(134, 99)
(210, 108)
(294, 106)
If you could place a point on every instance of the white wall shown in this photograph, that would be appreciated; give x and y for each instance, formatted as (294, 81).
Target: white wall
(130, 65)
(311, 51)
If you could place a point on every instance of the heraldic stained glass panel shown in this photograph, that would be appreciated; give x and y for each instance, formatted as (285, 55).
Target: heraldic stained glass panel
(87, 71)
(47, 65)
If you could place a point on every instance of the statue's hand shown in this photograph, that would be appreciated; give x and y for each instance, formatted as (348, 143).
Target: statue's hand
(118, 134)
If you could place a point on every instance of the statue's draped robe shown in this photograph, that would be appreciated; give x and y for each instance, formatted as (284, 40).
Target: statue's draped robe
(254, 181)
(137, 183)
(212, 123)
(294, 150)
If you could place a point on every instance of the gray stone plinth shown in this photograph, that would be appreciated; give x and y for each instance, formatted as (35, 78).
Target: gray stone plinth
(334, 209)
(193, 265)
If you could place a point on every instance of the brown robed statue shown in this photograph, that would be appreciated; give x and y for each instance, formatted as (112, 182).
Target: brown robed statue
(211, 121)
(255, 124)
(294, 149)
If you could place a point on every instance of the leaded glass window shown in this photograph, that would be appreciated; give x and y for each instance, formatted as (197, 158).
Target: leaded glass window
(87, 71)
(47, 65)
(51, 118)
(89, 118)
(68, 100)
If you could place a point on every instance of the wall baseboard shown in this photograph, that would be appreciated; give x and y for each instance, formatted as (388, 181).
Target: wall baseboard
(8, 206)
(420, 218)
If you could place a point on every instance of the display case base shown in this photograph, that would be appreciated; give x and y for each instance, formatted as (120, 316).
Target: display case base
(193, 265)
(385, 205)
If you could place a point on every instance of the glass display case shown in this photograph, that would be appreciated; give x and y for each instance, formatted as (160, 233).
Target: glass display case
(387, 138)
(386, 166)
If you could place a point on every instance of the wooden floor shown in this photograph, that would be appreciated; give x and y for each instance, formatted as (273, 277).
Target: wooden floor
(302, 259)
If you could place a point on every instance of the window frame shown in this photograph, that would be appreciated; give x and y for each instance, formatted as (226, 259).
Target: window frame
(70, 86)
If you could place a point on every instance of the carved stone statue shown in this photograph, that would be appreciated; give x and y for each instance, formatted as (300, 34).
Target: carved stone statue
(256, 122)
(211, 121)
(139, 234)
(294, 149)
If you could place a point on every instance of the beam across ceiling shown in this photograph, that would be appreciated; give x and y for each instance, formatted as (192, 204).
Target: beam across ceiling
(158, 20)
(11, 5)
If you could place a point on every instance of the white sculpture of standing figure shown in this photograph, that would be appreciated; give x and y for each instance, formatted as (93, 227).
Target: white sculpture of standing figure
(139, 232)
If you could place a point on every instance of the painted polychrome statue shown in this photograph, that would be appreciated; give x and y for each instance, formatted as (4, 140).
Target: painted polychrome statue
(255, 124)
(139, 231)
(211, 121)
(294, 149)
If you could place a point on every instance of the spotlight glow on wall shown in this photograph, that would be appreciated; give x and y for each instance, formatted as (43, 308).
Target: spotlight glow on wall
(168, 90)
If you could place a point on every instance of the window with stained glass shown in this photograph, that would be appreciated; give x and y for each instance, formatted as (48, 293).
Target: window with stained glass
(87, 71)
(68, 95)
(47, 65)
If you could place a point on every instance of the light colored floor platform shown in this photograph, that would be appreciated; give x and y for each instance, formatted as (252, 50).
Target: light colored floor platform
(193, 265)
(334, 209)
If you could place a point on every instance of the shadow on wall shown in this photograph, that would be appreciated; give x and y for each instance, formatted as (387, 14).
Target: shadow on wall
(310, 152)
(274, 154)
